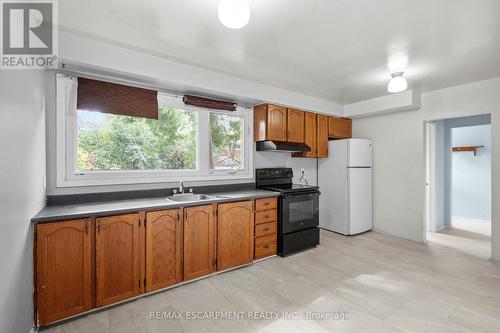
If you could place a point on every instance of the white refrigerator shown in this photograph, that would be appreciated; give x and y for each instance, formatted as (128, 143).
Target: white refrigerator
(345, 182)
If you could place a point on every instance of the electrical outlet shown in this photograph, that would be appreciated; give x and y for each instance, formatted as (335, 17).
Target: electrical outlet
(302, 171)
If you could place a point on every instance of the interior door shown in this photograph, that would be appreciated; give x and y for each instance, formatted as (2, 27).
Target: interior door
(360, 200)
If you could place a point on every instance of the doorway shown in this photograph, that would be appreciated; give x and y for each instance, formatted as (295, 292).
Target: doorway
(458, 184)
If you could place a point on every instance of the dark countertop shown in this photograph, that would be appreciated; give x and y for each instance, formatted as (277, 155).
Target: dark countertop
(75, 211)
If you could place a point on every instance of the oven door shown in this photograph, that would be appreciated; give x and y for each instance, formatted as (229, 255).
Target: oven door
(299, 211)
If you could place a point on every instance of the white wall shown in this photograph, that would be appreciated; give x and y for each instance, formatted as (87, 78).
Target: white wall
(85, 54)
(22, 169)
(399, 166)
(282, 159)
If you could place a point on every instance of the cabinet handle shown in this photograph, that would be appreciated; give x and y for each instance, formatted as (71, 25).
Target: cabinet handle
(266, 203)
(265, 246)
(266, 216)
(265, 229)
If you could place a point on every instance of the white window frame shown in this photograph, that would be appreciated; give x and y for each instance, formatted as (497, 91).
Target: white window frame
(66, 131)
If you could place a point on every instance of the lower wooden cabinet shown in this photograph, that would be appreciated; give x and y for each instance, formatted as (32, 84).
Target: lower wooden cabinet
(117, 258)
(235, 230)
(163, 249)
(63, 270)
(199, 241)
(81, 264)
(266, 227)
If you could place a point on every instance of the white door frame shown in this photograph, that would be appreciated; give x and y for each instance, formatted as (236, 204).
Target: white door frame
(430, 178)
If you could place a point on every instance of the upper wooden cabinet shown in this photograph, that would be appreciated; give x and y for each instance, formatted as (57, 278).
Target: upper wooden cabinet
(295, 126)
(322, 136)
(235, 229)
(199, 241)
(311, 135)
(117, 258)
(339, 128)
(63, 269)
(163, 249)
(278, 123)
(270, 122)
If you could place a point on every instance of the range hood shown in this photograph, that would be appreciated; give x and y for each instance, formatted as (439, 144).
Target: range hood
(282, 146)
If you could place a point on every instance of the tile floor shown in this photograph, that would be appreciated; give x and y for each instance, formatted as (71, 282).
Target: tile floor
(469, 236)
(385, 284)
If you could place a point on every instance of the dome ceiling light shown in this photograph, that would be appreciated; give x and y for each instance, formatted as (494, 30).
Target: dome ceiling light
(234, 14)
(397, 83)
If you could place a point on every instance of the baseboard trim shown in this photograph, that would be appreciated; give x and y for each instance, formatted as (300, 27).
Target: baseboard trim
(494, 259)
(420, 241)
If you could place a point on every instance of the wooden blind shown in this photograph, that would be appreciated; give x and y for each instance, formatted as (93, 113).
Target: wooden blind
(209, 103)
(117, 99)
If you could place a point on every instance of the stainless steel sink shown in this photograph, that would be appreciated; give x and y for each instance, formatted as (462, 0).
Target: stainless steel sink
(190, 197)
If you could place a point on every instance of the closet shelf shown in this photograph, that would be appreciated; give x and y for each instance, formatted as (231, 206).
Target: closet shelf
(467, 148)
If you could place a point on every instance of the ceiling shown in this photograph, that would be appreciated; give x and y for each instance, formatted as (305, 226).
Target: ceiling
(339, 50)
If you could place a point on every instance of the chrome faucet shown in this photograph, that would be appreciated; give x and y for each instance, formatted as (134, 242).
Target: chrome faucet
(181, 187)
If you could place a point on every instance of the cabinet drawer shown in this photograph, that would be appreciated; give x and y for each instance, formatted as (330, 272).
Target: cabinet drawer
(265, 229)
(266, 203)
(265, 239)
(266, 216)
(265, 246)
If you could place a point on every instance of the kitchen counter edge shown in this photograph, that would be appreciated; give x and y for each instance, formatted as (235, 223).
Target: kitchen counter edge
(86, 210)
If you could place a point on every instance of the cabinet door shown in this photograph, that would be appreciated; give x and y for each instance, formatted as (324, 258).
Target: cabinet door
(310, 136)
(63, 264)
(295, 125)
(163, 249)
(199, 241)
(235, 231)
(117, 258)
(322, 136)
(276, 122)
(339, 128)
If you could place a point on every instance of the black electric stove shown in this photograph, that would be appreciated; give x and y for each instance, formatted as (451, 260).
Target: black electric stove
(298, 209)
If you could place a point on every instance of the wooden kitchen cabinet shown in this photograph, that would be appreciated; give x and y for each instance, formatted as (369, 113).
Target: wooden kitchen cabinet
(163, 249)
(266, 227)
(117, 258)
(270, 122)
(235, 232)
(322, 136)
(295, 126)
(339, 128)
(63, 270)
(199, 241)
(310, 135)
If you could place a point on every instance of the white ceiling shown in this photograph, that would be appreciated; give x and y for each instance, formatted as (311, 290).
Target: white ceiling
(339, 50)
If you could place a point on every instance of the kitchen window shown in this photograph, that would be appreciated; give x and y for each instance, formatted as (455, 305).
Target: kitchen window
(188, 143)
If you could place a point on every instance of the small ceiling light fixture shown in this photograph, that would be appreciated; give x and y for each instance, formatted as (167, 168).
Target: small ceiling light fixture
(397, 83)
(234, 14)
